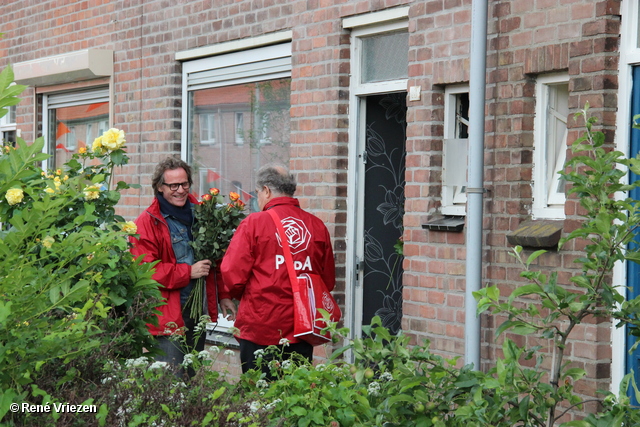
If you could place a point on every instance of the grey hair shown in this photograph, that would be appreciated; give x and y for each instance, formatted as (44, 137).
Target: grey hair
(170, 163)
(278, 178)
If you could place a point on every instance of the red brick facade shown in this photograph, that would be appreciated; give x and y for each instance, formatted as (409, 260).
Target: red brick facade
(525, 38)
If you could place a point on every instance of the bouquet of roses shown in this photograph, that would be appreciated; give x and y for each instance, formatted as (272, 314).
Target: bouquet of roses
(215, 222)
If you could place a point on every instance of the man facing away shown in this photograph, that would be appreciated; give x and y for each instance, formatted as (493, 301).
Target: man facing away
(255, 273)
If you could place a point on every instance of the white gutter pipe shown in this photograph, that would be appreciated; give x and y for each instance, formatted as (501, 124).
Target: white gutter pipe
(475, 185)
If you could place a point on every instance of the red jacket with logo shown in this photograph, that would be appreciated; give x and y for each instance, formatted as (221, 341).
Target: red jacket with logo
(155, 244)
(254, 270)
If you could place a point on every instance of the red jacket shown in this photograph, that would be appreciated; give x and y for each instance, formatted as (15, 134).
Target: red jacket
(255, 273)
(155, 244)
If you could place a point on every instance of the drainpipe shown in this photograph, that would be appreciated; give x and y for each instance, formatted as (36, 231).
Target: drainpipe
(475, 185)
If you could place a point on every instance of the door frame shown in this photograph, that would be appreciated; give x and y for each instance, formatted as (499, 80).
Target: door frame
(355, 173)
(629, 57)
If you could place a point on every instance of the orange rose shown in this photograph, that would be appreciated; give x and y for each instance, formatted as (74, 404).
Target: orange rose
(206, 197)
(233, 196)
(214, 191)
(240, 204)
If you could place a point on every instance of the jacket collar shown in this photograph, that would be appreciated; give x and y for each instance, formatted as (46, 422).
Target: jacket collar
(154, 208)
(282, 201)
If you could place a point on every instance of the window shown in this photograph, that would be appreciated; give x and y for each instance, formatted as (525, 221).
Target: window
(207, 128)
(8, 125)
(239, 128)
(73, 120)
(550, 145)
(455, 148)
(245, 97)
(384, 57)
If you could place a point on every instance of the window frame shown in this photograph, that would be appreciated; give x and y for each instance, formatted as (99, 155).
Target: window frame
(547, 204)
(454, 198)
(69, 98)
(217, 71)
(7, 125)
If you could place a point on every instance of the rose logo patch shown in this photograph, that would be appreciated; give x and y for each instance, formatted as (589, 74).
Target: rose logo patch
(297, 234)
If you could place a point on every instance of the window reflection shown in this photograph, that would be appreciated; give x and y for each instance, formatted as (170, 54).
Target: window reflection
(71, 128)
(236, 129)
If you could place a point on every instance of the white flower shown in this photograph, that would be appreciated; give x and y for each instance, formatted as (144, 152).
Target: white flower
(229, 353)
(107, 379)
(158, 365)
(204, 354)
(374, 388)
(284, 342)
(387, 376)
(254, 406)
(258, 353)
(270, 406)
(188, 359)
(134, 363)
(262, 384)
(214, 349)
(286, 364)
(320, 367)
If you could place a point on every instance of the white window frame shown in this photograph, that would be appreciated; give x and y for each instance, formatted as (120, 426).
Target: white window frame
(233, 67)
(454, 155)
(547, 203)
(52, 101)
(208, 125)
(8, 121)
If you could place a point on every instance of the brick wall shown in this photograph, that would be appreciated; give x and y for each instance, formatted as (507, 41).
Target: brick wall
(525, 39)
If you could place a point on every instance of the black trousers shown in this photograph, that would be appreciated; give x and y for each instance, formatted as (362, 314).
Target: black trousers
(248, 358)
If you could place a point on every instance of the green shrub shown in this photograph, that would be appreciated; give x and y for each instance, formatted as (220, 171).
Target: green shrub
(69, 288)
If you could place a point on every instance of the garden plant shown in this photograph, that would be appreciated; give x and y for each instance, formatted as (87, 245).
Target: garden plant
(74, 305)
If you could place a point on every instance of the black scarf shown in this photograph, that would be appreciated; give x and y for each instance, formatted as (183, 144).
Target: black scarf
(182, 214)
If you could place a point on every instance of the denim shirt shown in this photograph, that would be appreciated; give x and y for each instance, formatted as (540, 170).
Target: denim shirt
(182, 249)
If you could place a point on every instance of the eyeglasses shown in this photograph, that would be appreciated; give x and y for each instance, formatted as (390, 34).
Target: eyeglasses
(174, 187)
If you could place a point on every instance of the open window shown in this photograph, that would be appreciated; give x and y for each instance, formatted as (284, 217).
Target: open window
(550, 145)
(455, 149)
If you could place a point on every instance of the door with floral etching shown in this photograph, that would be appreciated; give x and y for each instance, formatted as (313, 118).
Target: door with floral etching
(384, 182)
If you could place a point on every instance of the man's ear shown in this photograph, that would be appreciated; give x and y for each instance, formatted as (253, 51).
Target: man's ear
(267, 192)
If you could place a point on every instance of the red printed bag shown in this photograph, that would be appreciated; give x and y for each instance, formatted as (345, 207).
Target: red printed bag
(309, 294)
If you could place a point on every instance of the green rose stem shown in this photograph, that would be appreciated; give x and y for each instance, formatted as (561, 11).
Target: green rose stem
(196, 298)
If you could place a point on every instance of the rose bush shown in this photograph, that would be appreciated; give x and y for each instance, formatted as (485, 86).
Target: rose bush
(71, 295)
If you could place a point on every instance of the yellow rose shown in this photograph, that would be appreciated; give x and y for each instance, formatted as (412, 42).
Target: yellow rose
(91, 192)
(96, 147)
(130, 227)
(82, 150)
(113, 139)
(47, 242)
(14, 195)
(49, 190)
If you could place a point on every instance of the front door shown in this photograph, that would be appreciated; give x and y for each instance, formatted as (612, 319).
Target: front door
(383, 161)
(633, 269)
